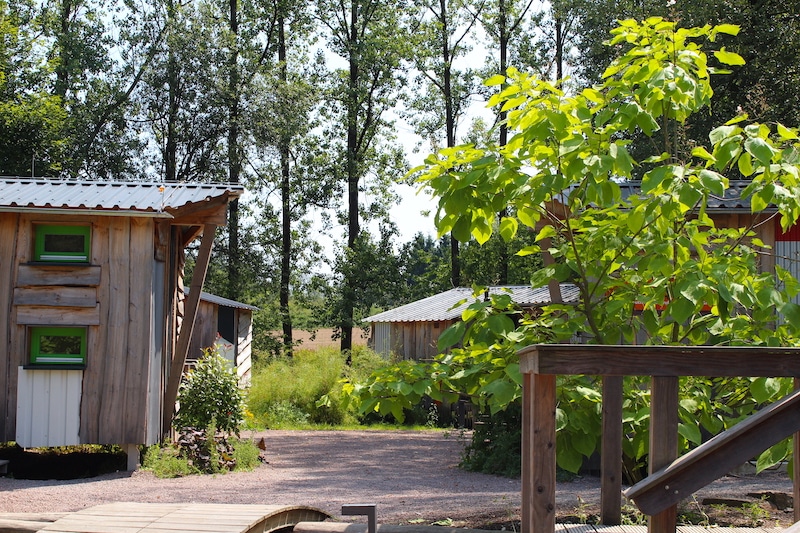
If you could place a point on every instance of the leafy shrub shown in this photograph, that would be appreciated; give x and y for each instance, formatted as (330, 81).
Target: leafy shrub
(496, 446)
(192, 454)
(209, 392)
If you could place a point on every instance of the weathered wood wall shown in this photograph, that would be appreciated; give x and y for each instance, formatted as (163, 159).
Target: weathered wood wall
(113, 297)
(8, 274)
(416, 340)
(205, 330)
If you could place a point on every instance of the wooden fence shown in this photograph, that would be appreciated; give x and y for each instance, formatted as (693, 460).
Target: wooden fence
(671, 478)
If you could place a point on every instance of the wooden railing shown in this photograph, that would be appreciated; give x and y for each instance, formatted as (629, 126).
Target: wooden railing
(656, 495)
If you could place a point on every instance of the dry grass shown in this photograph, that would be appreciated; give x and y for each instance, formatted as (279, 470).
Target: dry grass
(324, 339)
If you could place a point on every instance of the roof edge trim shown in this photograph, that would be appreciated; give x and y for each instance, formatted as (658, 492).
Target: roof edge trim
(93, 212)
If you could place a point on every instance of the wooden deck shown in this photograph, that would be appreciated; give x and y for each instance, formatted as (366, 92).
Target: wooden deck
(175, 517)
(585, 528)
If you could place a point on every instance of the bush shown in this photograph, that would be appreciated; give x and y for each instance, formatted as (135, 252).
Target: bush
(193, 454)
(496, 446)
(306, 389)
(209, 392)
(166, 462)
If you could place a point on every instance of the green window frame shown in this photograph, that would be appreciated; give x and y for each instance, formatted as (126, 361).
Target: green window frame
(52, 345)
(57, 243)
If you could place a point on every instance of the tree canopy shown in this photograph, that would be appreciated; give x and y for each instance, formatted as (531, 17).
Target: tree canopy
(651, 267)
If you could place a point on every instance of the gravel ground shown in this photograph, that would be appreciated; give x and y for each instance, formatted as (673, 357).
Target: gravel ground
(410, 476)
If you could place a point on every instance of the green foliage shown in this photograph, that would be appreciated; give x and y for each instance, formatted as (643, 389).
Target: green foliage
(306, 389)
(166, 462)
(651, 267)
(496, 446)
(210, 392)
(195, 455)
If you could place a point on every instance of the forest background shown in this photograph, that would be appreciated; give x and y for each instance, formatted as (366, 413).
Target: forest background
(319, 109)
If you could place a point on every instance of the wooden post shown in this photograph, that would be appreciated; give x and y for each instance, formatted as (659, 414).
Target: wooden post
(185, 335)
(796, 467)
(538, 453)
(611, 452)
(663, 442)
(132, 451)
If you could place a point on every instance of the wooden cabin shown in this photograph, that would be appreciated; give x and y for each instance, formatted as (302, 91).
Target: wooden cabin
(412, 331)
(228, 325)
(95, 322)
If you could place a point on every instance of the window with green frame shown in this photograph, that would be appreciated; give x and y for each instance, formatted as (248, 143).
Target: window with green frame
(52, 345)
(55, 243)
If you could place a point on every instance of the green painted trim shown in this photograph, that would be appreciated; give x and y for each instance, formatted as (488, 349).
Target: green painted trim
(43, 230)
(37, 333)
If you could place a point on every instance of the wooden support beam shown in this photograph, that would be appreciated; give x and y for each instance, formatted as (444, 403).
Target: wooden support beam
(663, 443)
(185, 335)
(539, 454)
(611, 452)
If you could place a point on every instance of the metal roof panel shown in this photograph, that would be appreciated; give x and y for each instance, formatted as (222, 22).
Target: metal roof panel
(145, 197)
(448, 305)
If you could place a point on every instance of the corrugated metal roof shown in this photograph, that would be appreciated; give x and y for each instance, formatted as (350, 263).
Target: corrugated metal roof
(732, 199)
(138, 197)
(443, 306)
(224, 302)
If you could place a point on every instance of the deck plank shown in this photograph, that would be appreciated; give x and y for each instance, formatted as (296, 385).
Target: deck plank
(127, 517)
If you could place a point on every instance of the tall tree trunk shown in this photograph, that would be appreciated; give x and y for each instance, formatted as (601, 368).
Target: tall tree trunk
(505, 37)
(62, 68)
(173, 80)
(286, 237)
(450, 127)
(353, 226)
(234, 158)
(559, 47)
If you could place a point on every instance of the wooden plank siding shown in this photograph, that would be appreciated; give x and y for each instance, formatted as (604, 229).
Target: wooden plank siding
(140, 321)
(416, 340)
(40, 315)
(37, 275)
(98, 336)
(63, 297)
(205, 330)
(18, 347)
(8, 242)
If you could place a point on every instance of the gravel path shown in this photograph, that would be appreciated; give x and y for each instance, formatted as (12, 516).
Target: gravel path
(409, 474)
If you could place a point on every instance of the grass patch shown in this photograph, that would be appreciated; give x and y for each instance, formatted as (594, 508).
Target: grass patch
(305, 391)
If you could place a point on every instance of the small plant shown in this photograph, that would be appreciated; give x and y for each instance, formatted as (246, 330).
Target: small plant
(755, 513)
(246, 455)
(209, 392)
(631, 516)
(166, 462)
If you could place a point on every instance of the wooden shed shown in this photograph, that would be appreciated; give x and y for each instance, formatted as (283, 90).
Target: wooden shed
(95, 322)
(227, 324)
(412, 331)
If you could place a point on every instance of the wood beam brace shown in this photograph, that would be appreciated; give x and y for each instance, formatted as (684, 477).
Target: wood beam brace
(187, 326)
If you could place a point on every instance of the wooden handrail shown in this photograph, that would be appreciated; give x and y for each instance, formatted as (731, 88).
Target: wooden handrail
(541, 363)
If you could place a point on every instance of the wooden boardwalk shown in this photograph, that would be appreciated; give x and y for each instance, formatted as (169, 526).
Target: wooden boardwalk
(175, 517)
(586, 528)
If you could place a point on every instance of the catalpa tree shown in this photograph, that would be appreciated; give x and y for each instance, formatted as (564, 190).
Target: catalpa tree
(650, 267)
